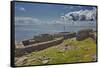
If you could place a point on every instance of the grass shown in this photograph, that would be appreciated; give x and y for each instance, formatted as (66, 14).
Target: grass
(80, 51)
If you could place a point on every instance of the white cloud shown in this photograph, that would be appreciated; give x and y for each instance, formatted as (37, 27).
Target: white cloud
(22, 9)
(72, 7)
(81, 15)
(26, 21)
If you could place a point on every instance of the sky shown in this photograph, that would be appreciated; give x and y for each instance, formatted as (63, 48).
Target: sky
(38, 12)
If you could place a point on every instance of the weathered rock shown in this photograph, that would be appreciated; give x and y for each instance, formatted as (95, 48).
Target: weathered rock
(93, 36)
(19, 45)
(34, 59)
(83, 34)
(69, 47)
(62, 50)
(87, 48)
(45, 61)
(20, 60)
(94, 57)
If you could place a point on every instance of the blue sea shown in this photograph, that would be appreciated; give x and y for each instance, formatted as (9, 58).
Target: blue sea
(28, 31)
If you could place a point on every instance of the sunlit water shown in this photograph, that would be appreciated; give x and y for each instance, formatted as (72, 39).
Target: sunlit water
(29, 31)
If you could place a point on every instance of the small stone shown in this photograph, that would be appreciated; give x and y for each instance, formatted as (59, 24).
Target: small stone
(62, 50)
(87, 49)
(94, 57)
(45, 61)
(70, 47)
(33, 59)
(40, 57)
(21, 60)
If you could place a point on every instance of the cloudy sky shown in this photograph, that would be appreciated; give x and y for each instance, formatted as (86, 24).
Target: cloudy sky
(49, 13)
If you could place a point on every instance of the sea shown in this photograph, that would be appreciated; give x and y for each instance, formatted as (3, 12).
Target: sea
(23, 31)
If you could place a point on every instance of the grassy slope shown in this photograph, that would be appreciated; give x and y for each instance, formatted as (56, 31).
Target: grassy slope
(81, 51)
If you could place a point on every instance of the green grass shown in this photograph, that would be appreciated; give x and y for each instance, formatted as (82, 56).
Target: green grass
(81, 51)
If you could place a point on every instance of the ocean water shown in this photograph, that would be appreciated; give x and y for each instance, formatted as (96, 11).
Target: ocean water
(28, 31)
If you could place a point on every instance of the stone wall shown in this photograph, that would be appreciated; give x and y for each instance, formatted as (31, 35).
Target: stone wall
(43, 38)
(48, 37)
(66, 35)
(29, 42)
(70, 35)
(37, 47)
(37, 39)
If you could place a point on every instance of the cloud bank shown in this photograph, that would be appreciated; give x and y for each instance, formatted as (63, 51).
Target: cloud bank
(82, 15)
(22, 9)
(26, 21)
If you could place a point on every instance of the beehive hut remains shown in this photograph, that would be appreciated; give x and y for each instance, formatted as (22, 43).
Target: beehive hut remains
(83, 34)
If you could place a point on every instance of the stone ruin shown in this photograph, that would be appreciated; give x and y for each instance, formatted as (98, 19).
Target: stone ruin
(37, 46)
(28, 42)
(38, 39)
(44, 41)
(83, 34)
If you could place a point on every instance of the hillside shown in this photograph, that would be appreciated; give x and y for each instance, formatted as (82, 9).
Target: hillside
(69, 51)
